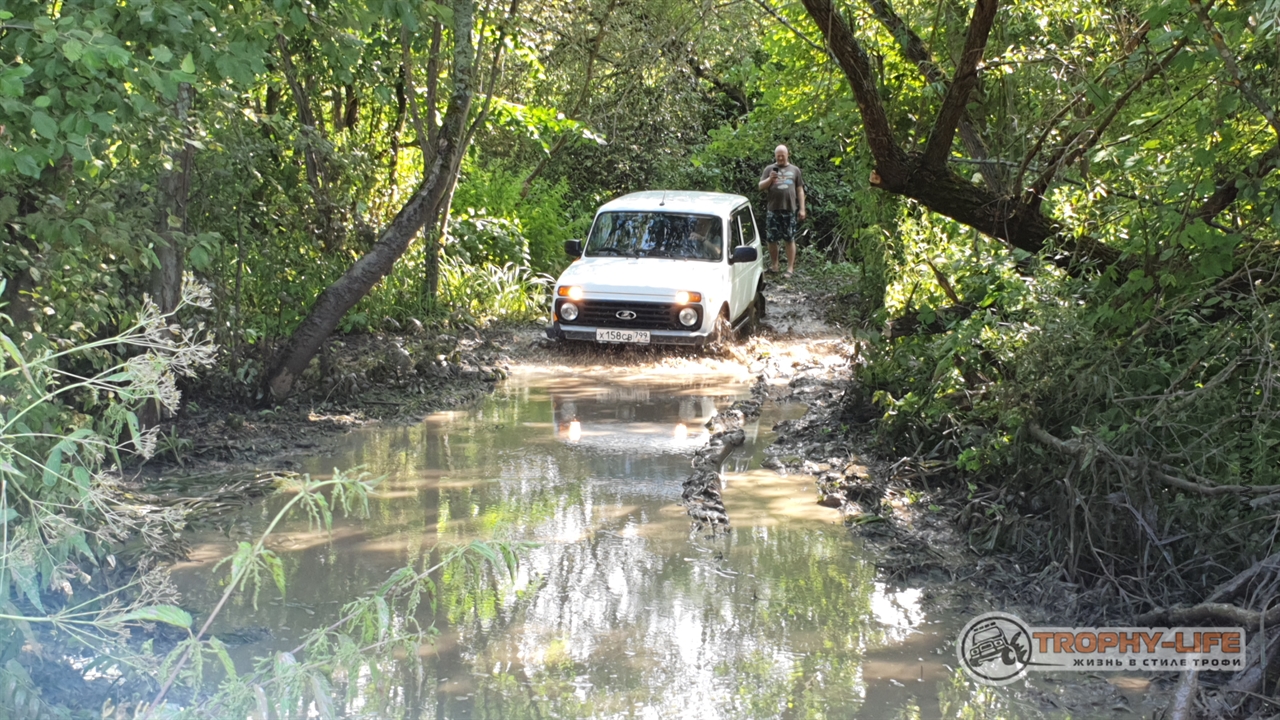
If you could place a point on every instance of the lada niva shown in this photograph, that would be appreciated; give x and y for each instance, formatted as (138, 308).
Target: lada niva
(662, 267)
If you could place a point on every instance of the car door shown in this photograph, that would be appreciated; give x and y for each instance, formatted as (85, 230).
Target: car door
(745, 275)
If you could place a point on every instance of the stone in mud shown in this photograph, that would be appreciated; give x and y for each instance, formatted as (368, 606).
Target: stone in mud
(831, 501)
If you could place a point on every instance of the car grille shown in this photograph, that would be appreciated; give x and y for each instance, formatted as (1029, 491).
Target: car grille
(649, 316)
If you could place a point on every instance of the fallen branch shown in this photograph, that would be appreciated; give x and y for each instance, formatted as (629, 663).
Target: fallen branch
(1260, 655)
(1213, 613)
(1159, 472)
(1235, 587)
(1183, 706)
(910, 324)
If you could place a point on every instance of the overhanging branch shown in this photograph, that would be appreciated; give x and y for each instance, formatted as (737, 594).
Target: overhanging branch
(938, 148)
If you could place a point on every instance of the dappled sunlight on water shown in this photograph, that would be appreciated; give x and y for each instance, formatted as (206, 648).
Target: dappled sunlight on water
(620, 610)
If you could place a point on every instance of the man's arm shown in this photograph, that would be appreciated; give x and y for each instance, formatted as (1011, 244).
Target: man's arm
(766, 180)
(800, 197)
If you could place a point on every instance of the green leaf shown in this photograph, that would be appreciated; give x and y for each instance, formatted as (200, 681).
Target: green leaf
(188, 64)
(135, 429)
(81, 476)
(220, 650)
(1097, 94)
(162, 53)
(53, 466)
(73, 50)
(103, 120)
(276, 567)
(44, 125)
(118, 57)
(168, 614)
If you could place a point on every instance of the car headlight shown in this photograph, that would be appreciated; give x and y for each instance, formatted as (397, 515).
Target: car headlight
(688, 316)
(573, 292)
(568, 312)
(684, 297)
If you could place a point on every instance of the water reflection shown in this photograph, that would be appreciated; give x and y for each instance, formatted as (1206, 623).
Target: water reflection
(620, 611)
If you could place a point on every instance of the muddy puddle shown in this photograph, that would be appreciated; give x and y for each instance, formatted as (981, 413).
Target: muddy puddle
(620, 610)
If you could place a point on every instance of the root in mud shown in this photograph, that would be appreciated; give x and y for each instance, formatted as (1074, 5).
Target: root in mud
(1250, 600)
(701, 491)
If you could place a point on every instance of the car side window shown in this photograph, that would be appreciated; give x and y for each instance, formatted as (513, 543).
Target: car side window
(746, 227)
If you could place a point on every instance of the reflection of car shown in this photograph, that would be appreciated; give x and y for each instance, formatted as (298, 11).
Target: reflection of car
(990, 643)
(662, 267)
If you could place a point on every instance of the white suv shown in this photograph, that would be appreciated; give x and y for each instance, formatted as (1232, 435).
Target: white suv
(662, 267)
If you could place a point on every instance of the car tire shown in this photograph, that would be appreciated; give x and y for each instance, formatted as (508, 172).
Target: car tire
(722, 336)
(757, 311)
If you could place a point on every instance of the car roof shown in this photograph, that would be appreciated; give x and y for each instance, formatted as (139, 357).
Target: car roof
(676, 201)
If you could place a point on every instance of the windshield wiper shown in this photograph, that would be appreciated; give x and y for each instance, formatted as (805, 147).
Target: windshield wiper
(603, 250)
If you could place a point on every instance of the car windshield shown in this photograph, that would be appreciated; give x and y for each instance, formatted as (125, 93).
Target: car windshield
(661, 235)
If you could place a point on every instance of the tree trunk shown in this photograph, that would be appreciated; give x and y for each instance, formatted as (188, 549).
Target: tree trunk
(421, 208)
(166, 276)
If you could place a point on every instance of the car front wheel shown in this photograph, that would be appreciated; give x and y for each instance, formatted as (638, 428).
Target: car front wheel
(721, 335)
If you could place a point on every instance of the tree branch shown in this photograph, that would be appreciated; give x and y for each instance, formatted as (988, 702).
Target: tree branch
(1237, 81)
(1021, 224)
(1131, 46)
(583, 93)
(411, 92)
(1086, 139)
(433, 82)
(913, 49)
(764, 4)
(938, 148)
(1227, 190)
(891, 166)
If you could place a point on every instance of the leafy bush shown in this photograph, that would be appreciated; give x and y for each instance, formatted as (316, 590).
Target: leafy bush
(1137, 397)
(478, 295)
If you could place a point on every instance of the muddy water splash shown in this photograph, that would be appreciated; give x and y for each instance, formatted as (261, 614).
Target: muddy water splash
(621, 611)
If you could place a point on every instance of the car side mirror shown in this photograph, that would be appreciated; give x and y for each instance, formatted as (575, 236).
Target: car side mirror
(742, 254)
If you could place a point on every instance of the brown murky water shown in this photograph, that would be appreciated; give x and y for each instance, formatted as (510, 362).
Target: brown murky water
(621, 611)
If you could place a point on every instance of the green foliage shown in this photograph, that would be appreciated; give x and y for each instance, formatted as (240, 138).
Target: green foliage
(63, 503)
(1177, 374)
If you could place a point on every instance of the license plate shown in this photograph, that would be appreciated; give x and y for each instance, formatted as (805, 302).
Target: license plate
(623, 336)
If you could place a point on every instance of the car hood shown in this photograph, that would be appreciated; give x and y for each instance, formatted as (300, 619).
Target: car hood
(642, 277)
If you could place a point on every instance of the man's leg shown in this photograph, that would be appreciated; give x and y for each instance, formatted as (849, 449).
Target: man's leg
(773, 232)
(789, 230)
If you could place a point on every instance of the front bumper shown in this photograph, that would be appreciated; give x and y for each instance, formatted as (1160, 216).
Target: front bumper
(556, 331)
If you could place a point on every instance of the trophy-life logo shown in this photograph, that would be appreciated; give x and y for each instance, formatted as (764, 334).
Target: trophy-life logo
(997, 648)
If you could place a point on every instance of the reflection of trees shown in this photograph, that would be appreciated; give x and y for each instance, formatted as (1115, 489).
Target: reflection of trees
(635, 622)
(610, 614)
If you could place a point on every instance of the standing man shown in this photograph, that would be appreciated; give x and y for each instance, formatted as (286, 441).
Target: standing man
(784, 187)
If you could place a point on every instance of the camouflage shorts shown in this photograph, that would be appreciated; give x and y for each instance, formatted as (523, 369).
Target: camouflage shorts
(779, 226)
